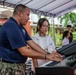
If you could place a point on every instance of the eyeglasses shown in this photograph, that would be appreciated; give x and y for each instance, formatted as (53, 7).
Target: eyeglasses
(45, 26)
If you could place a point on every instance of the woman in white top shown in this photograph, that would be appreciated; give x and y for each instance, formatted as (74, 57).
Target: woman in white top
(65, 40)
(43, 40)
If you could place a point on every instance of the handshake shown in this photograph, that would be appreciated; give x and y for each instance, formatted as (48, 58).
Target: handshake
(54, 56)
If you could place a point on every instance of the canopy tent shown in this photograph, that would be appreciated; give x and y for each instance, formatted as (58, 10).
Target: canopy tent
(44, 7)
(51, 8)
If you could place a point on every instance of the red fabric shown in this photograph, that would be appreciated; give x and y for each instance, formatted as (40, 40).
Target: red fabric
(27, 27)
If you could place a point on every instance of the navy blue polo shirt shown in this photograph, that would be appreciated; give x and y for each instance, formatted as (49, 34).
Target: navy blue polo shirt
(12, 36)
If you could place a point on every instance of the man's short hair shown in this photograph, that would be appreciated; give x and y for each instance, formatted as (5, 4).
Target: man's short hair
(19, 8)
(69, 26)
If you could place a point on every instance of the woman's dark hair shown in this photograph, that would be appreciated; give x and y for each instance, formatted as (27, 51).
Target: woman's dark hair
(65, 34)
(40, 23)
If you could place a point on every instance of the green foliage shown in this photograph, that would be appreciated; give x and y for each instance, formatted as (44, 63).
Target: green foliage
(58, 39)
(50, 31)
(74, 35)
(69, 17)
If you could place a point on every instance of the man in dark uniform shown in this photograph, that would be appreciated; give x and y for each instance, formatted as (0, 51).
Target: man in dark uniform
(13, 44)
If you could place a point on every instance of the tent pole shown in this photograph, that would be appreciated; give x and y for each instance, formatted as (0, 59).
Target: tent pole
(53, 30)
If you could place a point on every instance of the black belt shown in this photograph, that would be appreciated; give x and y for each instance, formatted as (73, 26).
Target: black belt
(2, 60)
(10, 62)
(7, 61)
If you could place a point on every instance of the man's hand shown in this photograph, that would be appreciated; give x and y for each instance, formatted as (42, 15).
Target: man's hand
(54, 56)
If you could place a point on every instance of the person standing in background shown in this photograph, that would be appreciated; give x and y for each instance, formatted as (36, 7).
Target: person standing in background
(65, 40)
(43, 40)
(69, 28)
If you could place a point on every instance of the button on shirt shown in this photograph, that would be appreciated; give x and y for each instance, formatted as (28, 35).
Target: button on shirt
(12, 36)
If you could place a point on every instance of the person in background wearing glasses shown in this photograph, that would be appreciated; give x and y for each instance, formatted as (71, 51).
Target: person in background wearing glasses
(13, 44)
(43, 40)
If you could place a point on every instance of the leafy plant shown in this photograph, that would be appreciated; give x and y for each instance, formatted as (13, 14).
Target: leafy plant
(68, 18)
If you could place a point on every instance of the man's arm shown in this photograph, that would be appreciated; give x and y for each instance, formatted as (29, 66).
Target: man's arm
(36, 47)
(37, 55)
(25, 51)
